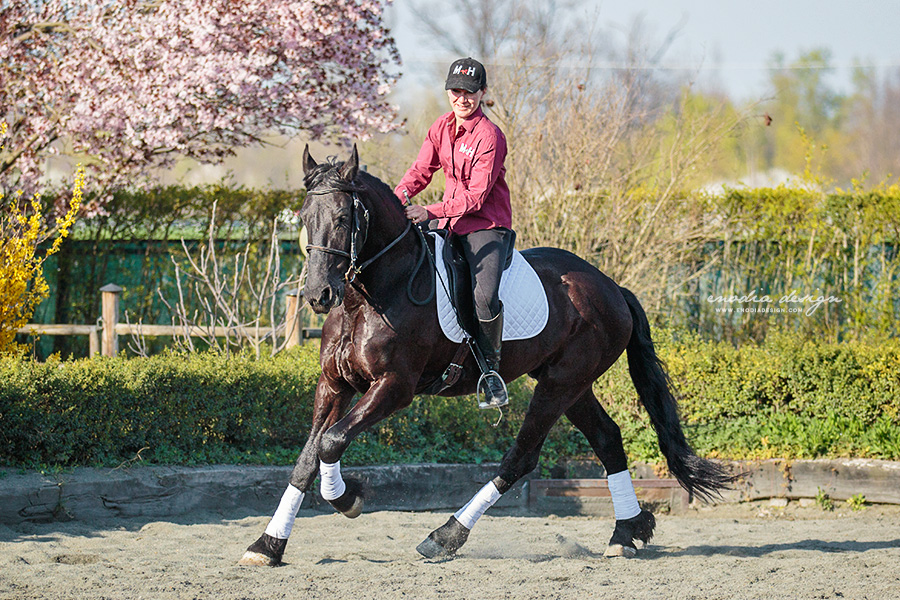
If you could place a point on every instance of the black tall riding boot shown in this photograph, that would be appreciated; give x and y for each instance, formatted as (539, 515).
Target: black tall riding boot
(489, 340)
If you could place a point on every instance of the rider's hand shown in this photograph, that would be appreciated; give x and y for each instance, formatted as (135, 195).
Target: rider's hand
(416, 213)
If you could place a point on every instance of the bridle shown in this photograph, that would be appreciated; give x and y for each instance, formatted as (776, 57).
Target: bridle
(360, 220)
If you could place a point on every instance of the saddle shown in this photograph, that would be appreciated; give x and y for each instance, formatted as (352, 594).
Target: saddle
(524, 300)
(460, 280)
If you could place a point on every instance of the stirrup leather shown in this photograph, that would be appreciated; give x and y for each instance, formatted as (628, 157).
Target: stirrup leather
(486, 379)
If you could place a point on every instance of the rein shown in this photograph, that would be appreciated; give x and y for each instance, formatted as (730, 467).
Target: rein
(353, 270)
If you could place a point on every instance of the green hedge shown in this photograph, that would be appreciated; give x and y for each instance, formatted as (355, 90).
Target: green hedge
(783, 399)
(775, 241)
(170, 408)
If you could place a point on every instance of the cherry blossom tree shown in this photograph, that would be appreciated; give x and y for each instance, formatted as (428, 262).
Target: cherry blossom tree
(131, 85)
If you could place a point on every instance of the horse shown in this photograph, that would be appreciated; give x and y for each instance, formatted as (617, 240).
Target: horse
(387, 346)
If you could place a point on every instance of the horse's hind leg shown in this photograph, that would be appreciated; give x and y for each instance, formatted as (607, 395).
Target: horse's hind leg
(632, 522)
(518, 461)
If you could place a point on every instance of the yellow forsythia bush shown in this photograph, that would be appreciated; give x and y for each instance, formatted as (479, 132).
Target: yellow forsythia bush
(22, 230)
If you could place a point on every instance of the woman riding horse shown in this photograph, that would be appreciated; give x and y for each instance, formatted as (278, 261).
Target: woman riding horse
(471, 150)
(384, 346)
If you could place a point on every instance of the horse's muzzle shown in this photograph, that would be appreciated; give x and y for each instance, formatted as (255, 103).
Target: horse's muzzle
(324, 300)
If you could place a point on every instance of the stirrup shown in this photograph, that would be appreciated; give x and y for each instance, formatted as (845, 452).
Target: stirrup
(493, 402)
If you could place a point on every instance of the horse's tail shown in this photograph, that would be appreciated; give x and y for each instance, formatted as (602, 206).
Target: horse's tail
(700, 477)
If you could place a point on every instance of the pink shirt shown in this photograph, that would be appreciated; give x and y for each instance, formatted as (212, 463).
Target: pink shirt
(476, 195)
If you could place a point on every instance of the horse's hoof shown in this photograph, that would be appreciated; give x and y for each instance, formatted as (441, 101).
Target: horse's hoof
(255, 559)
(639, 527)
(445, 540)
(355, 509)
(620, 550)
(264, 552)
(350, 503)
(431, 549)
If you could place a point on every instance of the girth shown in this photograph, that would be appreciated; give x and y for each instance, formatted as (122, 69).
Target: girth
(451, 374)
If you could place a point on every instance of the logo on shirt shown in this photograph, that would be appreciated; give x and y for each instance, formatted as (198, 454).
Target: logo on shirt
(467, 150)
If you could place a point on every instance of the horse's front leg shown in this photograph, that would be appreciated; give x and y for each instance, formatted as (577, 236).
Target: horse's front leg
(321, 455)
(386, 396)
(331, 402)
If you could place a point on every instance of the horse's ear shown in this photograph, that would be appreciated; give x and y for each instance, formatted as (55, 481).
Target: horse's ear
(351, 167)
(308, 163)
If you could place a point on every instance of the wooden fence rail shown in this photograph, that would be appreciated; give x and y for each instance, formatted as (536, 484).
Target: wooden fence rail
(104, 338)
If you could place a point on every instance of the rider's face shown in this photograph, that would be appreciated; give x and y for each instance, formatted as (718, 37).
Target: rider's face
(464, 103)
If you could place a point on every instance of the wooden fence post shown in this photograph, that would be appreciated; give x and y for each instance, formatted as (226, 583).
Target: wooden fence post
(293, 327)
(110, 311)
(94, 341)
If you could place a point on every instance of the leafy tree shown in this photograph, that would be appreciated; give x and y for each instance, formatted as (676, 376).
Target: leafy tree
(805, 104)
(802, 89)
(872, 120)
(130, 85)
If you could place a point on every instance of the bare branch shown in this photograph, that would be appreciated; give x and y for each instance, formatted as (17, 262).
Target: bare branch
(246, 299)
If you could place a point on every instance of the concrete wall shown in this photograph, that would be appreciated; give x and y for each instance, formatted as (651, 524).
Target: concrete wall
(159, 492)
(86, 494)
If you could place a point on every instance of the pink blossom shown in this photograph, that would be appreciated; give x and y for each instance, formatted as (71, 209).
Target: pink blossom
(135, 88)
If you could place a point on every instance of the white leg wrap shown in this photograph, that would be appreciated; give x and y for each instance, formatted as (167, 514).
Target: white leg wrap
(333, 485)
(283, 521)
(476, 507)
(625, 503)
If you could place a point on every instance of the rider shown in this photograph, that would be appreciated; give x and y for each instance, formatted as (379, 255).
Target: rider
(475, 207)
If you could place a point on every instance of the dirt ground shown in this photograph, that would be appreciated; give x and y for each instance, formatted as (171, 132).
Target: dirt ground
(750, 550)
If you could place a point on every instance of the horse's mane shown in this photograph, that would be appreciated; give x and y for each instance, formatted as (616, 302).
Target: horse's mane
(327, 174)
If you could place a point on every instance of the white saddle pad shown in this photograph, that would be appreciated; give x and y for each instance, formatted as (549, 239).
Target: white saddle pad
(525, 307)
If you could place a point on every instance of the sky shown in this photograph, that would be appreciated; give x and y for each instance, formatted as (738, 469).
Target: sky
(729, 41)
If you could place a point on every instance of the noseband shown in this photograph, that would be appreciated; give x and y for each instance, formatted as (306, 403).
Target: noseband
(357, 228)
